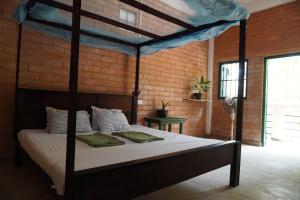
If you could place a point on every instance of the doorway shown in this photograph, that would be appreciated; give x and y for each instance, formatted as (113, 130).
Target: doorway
(281, 104)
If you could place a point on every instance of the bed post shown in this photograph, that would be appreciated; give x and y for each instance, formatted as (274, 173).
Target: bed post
(18, 156)
(235, 166)
(73, 79)
(242, 59)
(136, 88)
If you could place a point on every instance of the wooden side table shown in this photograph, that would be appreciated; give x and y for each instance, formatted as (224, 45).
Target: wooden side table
(169, 121)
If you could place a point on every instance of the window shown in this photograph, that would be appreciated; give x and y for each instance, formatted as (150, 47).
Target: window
(229, 78)
(128, 17)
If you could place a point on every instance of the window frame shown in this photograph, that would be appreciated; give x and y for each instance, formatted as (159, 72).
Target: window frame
(219, 77)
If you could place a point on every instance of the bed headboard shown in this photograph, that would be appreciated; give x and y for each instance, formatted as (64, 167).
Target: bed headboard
(31, 103)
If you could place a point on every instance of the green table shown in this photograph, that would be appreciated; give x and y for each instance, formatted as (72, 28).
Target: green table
(163, 121)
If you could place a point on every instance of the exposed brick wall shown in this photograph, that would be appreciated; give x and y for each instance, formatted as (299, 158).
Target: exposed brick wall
(167, 76)
(271, 32)
(45, 64)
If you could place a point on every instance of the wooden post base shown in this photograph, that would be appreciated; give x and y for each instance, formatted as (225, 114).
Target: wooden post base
(235, 166)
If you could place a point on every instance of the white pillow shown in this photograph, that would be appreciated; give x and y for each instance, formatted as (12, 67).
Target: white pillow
(57, 121)
(95, 112)
(109, 120)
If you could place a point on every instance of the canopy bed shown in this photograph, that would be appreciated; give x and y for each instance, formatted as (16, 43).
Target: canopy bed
(141, 171)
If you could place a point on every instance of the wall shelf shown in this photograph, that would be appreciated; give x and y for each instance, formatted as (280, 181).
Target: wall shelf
(197, 100)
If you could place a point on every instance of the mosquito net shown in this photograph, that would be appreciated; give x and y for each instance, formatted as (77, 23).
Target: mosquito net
(193, 12)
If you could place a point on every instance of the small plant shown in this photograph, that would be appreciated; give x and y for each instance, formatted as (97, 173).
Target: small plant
(164, 105)
(200, 86)
(163, 112)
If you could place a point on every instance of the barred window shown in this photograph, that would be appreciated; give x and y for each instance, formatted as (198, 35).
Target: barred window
(229, 78)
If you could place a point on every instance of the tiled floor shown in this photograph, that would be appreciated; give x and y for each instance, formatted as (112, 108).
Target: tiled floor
(268, 173)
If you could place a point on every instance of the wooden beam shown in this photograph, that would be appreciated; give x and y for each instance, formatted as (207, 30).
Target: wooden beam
(136, 92)
(118, 24)
(242, 59)
(69, 28)
(56, 4)
(157, 13)
(183, 33)
(98, 18)
(17, 77)
(137, 71)
(73, 79)
(235, 166)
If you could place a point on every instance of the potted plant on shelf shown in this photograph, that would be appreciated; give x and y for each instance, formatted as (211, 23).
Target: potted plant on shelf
(163, 113)
(200, 87)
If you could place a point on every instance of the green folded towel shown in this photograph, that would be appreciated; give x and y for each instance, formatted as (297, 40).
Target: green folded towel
(138, 137)
(99, 140)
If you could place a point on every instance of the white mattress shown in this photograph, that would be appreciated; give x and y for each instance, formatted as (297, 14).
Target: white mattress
(49, 150)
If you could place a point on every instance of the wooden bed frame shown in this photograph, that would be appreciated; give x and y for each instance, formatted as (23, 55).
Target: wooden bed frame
(129, 179)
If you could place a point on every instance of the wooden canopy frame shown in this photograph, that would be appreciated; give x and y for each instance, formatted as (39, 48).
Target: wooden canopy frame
(77, 12)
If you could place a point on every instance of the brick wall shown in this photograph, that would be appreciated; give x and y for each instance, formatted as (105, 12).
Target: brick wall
(271, 32)
(45, 64)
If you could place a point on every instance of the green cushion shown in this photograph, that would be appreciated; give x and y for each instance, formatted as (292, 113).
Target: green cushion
(99, 140)
(138, 137)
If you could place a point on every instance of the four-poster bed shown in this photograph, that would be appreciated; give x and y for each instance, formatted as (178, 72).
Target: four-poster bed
(131, 178)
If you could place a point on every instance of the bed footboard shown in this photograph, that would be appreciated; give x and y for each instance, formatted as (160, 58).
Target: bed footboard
(132, 179)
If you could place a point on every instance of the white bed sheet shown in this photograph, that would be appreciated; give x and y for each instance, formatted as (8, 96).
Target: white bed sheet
(49, 150)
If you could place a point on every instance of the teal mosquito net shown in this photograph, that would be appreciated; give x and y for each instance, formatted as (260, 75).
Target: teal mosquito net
(194, 12)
